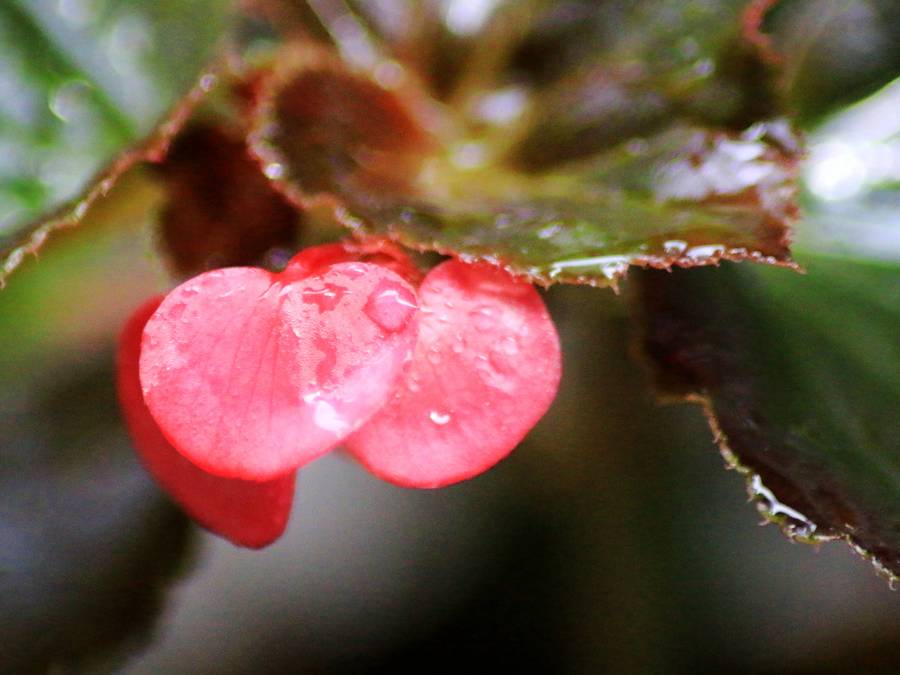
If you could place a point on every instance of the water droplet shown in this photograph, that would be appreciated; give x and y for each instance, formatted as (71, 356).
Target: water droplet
(391, 306)
(675, 247)
(509, 346)
(482, 318)
(328, 419)
(175, 311)
(433, 356)
(468, 155)
(502, 106)
(704, 67)
(207, 82)
(798, 526)
(704, 252)
(389, 74)
(70, 101)
(467, 17)
(549, 231)
(274, 170)
(326, 298)
(439, 418)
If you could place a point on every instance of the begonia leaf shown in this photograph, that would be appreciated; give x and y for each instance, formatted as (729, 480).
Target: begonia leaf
(486, 368)
(80, 85)
(248, 513)
(391, 161)
(221, 211)
(251, 374)
(798, 375)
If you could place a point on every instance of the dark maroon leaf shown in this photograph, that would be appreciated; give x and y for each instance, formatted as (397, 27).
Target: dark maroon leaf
(391, 162)
(798, 375)
(220, 210)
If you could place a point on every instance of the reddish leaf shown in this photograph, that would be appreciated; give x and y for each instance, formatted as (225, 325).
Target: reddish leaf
(798, 377)
(221, 210)
(485, 370)
(252, 374)
(248, 513)
(391, 163)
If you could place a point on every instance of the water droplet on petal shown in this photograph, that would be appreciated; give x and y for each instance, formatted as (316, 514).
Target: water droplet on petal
(274, 171)
(328, 419)
(391, 306)
(483, 318)
(325, 298)
(439, 418)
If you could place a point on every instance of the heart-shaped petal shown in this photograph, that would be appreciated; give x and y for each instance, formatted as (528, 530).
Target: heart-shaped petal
(251, 374)
(485, 370)
(248, 513)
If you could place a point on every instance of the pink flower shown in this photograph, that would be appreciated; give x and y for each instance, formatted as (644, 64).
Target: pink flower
(240, 376)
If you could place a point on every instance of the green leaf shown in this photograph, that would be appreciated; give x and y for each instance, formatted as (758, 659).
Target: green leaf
(800, 377)
(81, 83)
(477, 181)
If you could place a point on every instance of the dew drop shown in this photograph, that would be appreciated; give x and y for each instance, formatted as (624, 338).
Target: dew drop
(176, 311)
(274, 171)
(483, 318)
(325, 298)
(391, 306)
(439, 418)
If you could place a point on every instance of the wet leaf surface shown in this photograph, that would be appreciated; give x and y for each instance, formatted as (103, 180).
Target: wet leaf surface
(392, 161)
(79, 83)
(798, 374)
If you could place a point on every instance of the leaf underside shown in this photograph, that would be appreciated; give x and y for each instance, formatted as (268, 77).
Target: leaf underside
(568, 176)
(798, 375)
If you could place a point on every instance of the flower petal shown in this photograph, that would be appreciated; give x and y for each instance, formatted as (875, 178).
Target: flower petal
(485, 370)
(248, 513)
(251, 374)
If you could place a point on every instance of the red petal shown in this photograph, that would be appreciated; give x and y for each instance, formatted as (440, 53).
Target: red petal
(485, 370)
(248, 513)
(251, 374)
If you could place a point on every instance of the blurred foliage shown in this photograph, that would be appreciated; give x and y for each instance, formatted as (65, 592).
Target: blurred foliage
(835, 52)
(88, 542)
(630, 153)
(82, 79)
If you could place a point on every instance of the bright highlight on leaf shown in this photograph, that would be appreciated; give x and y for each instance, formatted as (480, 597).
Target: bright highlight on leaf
(252, 374)
(486, 368)
(248, 513)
